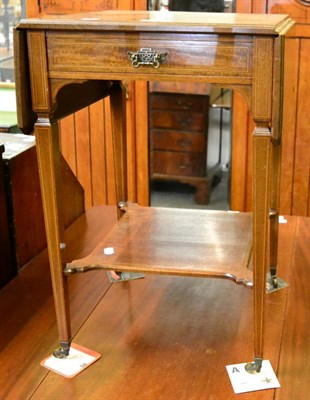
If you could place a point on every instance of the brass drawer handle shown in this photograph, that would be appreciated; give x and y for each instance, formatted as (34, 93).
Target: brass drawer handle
(146, 56)
(185, 166)
(186, 122)
(184, 142)
(184, 106)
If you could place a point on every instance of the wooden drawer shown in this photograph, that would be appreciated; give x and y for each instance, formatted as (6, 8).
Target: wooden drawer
(171, 101)
(206, 55)
(176, 141)
(178, 120)
(180, 163)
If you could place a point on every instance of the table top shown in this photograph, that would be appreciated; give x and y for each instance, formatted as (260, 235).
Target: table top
(264, 24)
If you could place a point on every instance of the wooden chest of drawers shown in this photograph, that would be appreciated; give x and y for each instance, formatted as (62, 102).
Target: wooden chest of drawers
(21, 205)
(7, 267)
(179, 139)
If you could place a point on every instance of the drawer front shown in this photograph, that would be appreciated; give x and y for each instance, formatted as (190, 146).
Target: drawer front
(170, 101)
(178, 120)
(176, 141)
(100, 54)
(171, 163)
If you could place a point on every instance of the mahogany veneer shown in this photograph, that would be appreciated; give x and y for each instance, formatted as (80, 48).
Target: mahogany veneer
(167, 241)
(82, 58)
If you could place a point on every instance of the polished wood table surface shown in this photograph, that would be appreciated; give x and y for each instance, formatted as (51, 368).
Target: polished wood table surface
(67, 62)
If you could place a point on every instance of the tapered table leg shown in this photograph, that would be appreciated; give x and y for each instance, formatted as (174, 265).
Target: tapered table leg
(47, 142)
(261, 195)
(274, 212)
(118, 119)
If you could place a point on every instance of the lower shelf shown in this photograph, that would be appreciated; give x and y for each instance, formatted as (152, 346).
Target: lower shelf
(199, 243)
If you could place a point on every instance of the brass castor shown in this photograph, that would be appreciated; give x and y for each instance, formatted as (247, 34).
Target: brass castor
(275, 282)
(255, 366)
(62, 351)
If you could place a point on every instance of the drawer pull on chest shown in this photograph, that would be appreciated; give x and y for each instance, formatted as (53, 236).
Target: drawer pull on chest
(186, 123)
(146, 56)
(184, 142)
(185, 166)
(184, 105)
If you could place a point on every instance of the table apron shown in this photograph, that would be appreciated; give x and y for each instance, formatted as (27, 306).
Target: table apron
(102, 53)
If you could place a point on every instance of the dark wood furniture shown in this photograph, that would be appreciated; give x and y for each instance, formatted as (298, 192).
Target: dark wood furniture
(7, 266)
(24, 202)
(178, 120)
(25, 213)
(84, 58)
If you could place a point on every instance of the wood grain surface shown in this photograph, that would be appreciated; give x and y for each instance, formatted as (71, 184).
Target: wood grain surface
(160, 337)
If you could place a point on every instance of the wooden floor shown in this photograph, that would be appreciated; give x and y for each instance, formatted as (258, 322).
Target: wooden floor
(162, 337)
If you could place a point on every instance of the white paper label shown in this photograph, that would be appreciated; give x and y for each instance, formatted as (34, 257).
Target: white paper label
(70, 365)
(242, 381)
(108, 251)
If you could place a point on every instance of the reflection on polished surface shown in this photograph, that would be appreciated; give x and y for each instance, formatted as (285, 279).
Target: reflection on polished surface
(197, 5)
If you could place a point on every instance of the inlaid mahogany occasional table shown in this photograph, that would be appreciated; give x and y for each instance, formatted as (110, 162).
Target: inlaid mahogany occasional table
(65, 63)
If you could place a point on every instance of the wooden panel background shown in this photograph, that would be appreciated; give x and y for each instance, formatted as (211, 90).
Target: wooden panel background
(294, 196)
(86, 141)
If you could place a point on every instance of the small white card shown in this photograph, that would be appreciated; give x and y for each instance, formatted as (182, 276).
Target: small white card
(108, 251)
(243, 382)
(78, 359)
